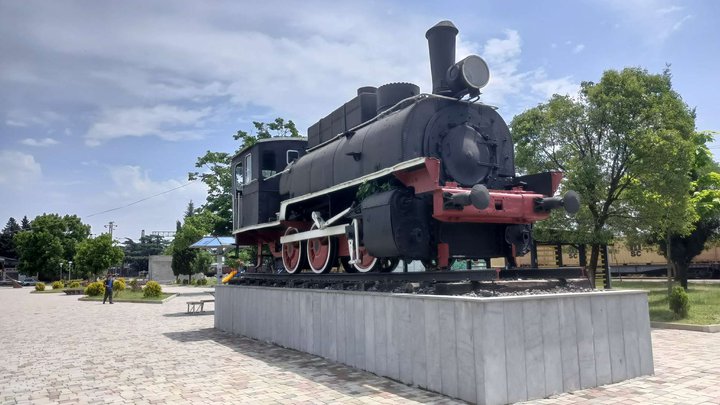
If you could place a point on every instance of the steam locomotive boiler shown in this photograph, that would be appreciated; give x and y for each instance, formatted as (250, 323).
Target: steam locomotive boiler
(395, 175)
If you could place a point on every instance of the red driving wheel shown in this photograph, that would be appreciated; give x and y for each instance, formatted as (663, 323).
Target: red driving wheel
(321, 253)
(292, 253)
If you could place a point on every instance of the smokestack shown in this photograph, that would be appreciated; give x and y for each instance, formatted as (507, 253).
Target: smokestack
(441, 43)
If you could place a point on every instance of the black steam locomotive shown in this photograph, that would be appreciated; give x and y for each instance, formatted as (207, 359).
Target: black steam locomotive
(394, 174)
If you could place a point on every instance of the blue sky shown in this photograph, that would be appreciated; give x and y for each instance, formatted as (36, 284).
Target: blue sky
(106, 103)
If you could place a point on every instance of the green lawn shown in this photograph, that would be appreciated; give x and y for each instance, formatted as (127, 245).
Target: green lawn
(47, 291)
(128, 295)
(704, 301)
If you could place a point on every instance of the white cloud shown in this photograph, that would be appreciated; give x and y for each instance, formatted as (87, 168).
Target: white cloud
(13, 123)
(654, 20)
(39, 142)
(164, 121)
(578, 48)
(514, 89)
(18, 170)
(668, 10)
(549, 87)
(166, 203)
(679, 24)
(503, 58)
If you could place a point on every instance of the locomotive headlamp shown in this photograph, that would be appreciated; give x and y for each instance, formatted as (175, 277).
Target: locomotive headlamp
(468, 76)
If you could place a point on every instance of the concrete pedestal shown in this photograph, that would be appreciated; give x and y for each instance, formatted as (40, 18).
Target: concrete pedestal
(482, 350)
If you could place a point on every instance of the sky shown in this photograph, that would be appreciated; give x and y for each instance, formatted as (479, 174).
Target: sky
(104, 104)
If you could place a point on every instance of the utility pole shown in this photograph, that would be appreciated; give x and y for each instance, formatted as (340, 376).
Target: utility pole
(110, 227)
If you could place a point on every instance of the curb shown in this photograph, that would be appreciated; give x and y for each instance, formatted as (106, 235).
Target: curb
(137, 301)
(684, 326)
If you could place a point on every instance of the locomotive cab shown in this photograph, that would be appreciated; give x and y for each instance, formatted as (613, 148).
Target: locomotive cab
(256, 179)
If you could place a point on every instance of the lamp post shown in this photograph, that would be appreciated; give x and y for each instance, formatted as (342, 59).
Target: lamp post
(69, 269)
(61, 265)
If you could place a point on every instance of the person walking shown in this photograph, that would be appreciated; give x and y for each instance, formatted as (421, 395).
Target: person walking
(108, 287)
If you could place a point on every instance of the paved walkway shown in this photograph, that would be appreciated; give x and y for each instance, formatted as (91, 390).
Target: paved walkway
(55, 349)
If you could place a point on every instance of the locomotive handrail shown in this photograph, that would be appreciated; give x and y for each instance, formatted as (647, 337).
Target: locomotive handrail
(380, 173)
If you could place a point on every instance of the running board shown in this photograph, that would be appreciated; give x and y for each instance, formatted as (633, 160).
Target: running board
(315, 233)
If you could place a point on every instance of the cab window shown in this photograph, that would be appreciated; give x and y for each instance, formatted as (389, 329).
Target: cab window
(248, 169)
(239, 175)
(268, 164)
(291, 156)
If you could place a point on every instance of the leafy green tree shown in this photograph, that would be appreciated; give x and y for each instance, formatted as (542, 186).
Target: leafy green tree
(217, 176)
(40, 253)
(137, 254)
(705, 203)
(194, 228)
(49, 241)
(7, 245)
(95, 256)
(190, 210)
(202, 262)
(611, 141)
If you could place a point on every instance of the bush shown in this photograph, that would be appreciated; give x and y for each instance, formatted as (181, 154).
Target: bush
(135, 285)
(39, 286)
(74, 284)
(679, 302)
(58, 285)
(202, 281)
(118, 285)
(95, 289)
(152, 289)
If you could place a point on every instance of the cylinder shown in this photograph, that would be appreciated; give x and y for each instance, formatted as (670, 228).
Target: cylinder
(441, 44)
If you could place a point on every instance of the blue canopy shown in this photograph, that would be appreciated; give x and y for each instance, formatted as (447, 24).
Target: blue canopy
(214, 242)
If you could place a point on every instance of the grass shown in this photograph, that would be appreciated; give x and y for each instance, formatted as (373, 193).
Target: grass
(47, 291)
(130, 296)
(704, 301)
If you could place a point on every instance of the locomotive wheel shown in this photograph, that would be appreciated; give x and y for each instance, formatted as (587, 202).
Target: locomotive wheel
(321, 253)
(366, 262)
(349, 268)
(292, 254)
(388, 265)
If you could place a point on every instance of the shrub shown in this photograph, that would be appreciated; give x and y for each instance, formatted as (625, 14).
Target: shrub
(679, 302)
(118, 285)
(135, 285)
(95, 289)
(58, 285)
(202, 281)
(74, 284)
(152, 289)
(39, 286)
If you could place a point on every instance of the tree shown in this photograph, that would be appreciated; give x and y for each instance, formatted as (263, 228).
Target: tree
(94, 256)
(24, 223)
(137, 254)
(7, 245)
(49, 241)
(217, 175)
(190, 210)
(39, 253)
(609, 141)
(705, 203)
(194, 228)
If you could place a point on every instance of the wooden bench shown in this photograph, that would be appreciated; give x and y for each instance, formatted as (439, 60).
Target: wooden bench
(195, 307)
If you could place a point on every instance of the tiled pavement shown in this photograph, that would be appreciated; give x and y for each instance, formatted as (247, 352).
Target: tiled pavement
(55, 349)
